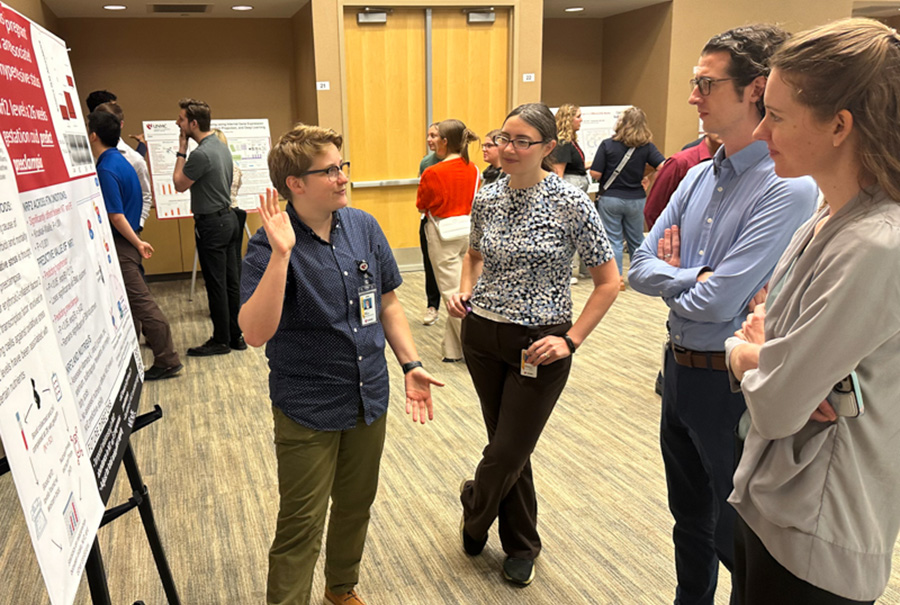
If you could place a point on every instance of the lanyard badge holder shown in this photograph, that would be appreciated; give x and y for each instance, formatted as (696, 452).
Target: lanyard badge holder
(368, 314)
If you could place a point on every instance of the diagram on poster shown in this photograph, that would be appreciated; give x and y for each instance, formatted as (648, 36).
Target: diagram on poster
(249, 143)
(70, 367)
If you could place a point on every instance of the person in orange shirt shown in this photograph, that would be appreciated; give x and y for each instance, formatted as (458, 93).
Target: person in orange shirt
(446, 190)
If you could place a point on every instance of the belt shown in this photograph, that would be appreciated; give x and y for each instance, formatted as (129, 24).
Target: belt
(704, 360)
(221, 212)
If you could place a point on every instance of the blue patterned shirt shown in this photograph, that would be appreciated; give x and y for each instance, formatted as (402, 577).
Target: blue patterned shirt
(528, 238)
(735, 217)
(323, 363)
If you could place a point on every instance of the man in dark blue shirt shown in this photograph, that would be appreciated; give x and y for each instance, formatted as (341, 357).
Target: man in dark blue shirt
(122, 196)
(318, 290)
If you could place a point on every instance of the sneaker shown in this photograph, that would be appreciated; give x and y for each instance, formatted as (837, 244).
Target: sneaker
(518, 571)
(573, 280)
(348, 598)
(238, 344)
(160, 373)
(431, 316)
(210, 347)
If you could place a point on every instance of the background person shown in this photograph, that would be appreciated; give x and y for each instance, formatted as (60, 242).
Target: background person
(237, 180)
(446, 190)
(621, 203)
(432, 292)
(515, 280)
(328, 375)
(817, 492)
(491, 154)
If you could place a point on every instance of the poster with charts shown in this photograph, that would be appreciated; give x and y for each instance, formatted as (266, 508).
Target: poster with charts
(70, 367)
(249, 142)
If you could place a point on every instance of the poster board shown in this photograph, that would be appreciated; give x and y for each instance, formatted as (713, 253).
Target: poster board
(598, 122)
(70, 366)
(249, 142)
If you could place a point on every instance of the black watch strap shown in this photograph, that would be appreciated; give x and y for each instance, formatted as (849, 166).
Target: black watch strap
(569, 342)
(409, 366)
(180, 155)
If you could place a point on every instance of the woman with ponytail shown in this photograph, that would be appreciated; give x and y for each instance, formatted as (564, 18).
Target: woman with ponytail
(446, 191)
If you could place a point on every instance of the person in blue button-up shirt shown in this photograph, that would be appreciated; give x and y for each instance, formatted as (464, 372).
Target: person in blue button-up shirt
(318, 290)
(709, 257)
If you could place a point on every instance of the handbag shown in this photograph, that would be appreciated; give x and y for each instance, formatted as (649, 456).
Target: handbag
(616, 172)
(452, 227)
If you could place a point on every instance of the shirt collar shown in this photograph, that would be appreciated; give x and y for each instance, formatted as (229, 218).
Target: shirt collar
(100, 157)
(743, 159)
(298, 223)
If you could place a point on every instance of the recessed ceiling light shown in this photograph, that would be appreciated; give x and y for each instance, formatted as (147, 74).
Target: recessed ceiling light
(574, 9)
(242, 7)
(115, 7)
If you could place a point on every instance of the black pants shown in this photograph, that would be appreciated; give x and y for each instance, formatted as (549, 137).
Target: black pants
(515, 410)
(432, 292)
(239, 242)
(699, 413)
(215, 236)
(761, 580)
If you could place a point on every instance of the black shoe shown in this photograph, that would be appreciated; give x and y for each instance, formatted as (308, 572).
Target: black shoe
(238, 344)
(210, 347)
(518, 571)
(160, 373)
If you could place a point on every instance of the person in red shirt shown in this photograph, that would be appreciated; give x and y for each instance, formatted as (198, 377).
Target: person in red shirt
(672, 172)
(446, 190)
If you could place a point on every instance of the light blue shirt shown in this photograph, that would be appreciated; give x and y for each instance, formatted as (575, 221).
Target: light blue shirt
(735, 217)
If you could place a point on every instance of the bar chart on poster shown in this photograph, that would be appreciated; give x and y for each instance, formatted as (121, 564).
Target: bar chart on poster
(70, 367)
(249, 142)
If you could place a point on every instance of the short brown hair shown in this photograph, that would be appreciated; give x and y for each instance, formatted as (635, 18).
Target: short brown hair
(295, 152)
(196, 110)
(113, 108)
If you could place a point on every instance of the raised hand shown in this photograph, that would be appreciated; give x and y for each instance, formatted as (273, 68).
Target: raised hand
(277, 223)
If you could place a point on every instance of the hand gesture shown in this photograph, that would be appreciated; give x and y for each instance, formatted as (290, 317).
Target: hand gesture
(753, 330)
(138, 137)
(418, 394)
(547, 350)
(182, 141)
(668, 248)
(145, 249)
(277, 223)
(457, 305)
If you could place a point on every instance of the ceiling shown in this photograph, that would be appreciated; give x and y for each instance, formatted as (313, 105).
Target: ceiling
(279, 9)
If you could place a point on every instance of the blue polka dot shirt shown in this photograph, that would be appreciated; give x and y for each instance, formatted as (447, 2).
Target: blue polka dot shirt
(324, 364)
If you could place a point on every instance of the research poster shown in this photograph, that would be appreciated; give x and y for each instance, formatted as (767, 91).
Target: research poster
(249, 142)
(70, 366)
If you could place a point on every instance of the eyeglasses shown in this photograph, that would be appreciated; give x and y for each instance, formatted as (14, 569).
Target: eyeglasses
(501, 140)
(331, 172)
(704, 84)
(486, 146)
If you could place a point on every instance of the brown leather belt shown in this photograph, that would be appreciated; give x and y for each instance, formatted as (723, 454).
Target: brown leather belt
(704, 360)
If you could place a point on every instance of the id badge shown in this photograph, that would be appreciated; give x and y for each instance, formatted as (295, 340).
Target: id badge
(526, 369)
(367, 311)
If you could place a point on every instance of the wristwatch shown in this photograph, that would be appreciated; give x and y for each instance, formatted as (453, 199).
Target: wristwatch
(409, 366)
(569, 342)
(180, 155)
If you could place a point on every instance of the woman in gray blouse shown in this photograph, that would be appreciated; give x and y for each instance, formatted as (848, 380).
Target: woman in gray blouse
(818, 484)
(517, 332)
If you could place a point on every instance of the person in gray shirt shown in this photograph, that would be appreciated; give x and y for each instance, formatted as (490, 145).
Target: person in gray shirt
(208, 175)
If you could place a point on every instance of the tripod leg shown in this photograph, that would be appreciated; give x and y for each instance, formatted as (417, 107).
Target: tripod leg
(146, 511)
(96, 576)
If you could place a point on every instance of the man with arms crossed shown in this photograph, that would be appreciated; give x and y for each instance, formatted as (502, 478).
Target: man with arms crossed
(208, 175)
(709, 257)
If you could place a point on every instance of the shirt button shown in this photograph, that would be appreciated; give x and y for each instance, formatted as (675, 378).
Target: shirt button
(351, 302)
(345, 273)
(700, 253)
(709, 220)
(360, 384)
(354, 329)
(677, 337)
(719, 189)
(360, 357)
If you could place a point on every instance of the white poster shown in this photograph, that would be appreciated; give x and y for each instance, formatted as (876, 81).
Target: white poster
(597, 124)
(70, 367)
(249, 142)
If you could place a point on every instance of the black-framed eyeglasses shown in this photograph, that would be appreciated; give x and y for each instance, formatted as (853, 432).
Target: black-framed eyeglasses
(487, 146)
(331, 172)
(501, 140)
(704, 84)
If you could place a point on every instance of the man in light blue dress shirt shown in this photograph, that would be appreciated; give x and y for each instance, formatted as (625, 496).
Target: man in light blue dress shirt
(709, 257)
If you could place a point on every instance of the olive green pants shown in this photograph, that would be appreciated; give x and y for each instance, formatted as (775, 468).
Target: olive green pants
(313, 466)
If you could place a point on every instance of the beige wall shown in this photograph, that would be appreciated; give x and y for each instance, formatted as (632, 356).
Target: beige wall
(636, 47)
(572, 61)
(695, 21)
(38, 12)
(305, 103)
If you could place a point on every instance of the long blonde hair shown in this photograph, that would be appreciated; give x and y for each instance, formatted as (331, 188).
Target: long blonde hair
(632, 129)
(565, 130)
(852, 64)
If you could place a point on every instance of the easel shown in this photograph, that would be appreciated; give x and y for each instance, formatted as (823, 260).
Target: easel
(140, 499)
